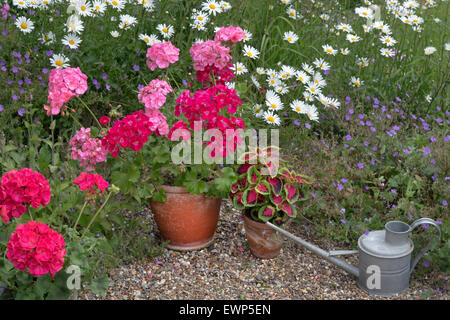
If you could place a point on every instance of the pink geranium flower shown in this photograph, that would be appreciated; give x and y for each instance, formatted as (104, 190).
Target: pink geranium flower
(64, 84)
(36, 247)
(231, 33)
(162, 55)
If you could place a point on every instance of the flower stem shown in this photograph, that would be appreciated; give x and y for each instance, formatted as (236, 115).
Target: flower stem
(76, 120)
(176, 83)
(90, 111)
(79, 216)
(96, 214)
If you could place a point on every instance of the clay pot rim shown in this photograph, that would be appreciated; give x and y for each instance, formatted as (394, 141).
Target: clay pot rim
(261, 225)
(172, 189)
(181, 190)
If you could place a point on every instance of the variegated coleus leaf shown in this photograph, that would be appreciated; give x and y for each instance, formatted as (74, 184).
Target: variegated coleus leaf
(253, 175)
(249, 198)
(288, 208)
(266, 213)
(276, 185)
(263, 187)
(291, 193)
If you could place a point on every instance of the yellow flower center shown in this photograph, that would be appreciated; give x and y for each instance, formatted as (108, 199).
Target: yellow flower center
(271, 119)
(356, 83)
(23, 25)
(83, 8)
(115, 3)
(249, 54)
(59, 63)
(289, 39)
(165, 30)
(200, 18)
(21, 2)
(329, 50)
(274, 106)
(71, 42)
(298, 109)
(313, 90)
(212, 6)
(73, 27)
(46, 38)
(147, 40)
(292, 13)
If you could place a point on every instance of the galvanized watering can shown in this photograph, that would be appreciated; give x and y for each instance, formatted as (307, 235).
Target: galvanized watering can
(385, 263)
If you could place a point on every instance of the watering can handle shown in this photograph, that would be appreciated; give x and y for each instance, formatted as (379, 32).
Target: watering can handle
(424, 250)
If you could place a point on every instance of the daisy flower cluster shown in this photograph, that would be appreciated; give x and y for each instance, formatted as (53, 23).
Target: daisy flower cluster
(201, 17)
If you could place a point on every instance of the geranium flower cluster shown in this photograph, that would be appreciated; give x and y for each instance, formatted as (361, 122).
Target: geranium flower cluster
(88, 151)
(230, 34)
(19, 188)
(130, 132)
(161, 55)
(64, 84)
(211, 59)
(205, 106)
(92, 182)
(153, 96)
(36, 247)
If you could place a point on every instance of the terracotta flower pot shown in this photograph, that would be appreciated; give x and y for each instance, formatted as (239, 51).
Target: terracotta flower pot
(264, 241)
(187, 220)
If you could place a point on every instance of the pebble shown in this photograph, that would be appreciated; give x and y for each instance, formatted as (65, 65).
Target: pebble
(227, 270)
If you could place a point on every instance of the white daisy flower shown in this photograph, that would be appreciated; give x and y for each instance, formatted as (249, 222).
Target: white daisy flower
(364, 12)
(319, 80)
(271, 118)
(429, 50)
(321, 64)
(74, 24)
(344, 27)
(291, 13)
(345, 51)
(114, 34)
(48, 38)
(353, 38)
(388, 41)
(260, 71)
(281, 89)
(59, 61)
(21, 4)
(83, 8)
(248, 35)
(117, 4)
(24, 24)
(356, 82)
(387, 52)
(257, 109)
(255, 82)
(273, 81)
(307, 68)
(239, 68)
(127, 21)
(273, 101)
(166, 30)
(313, 88)
(290, 37)
(149, 39)
(98, 7)
(212, 7)
(250, 52)
(363, 62)
(311, 112)
(308, 96)
(302, 76)
(200, 17)
(298, 106)
(225, 5)
(329, 49)
(71, 40)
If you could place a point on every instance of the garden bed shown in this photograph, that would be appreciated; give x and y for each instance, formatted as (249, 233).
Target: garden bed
(227, 270)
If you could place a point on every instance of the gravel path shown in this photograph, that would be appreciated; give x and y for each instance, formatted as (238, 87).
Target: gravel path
(227, 270)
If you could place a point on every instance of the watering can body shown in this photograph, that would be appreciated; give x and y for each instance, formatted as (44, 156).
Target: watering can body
(385, 262)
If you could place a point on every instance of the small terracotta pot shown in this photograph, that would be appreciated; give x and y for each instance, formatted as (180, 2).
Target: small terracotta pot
(187, 220)
(264, 241)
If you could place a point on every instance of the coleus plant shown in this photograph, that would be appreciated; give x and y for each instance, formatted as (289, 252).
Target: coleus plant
(267, 190)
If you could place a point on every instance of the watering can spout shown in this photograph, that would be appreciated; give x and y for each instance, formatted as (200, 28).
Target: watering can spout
(330, 256)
